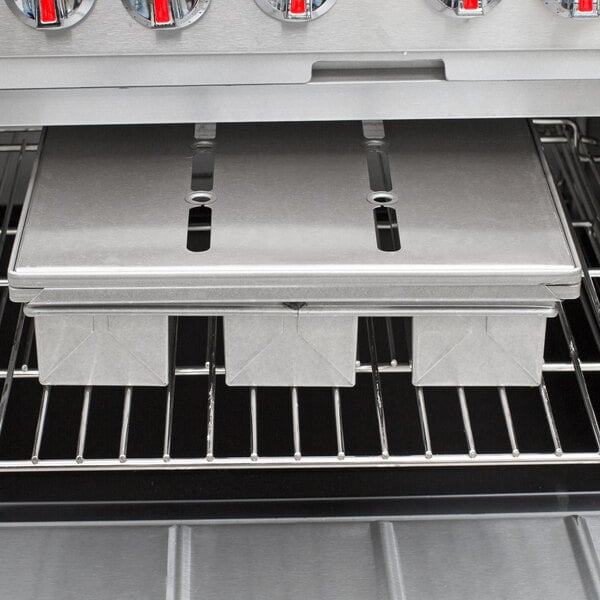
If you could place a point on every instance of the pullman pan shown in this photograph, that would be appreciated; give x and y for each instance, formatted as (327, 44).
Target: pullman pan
(290, 232)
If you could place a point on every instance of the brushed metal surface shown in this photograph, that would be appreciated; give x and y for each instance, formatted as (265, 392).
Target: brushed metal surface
(290, 350)
(455, 560)
(301, 102)
(235, 43)
(293, 211)
(521, 558)
(473, 207)
(351, 26)
(339, 101)
(489, 350)
(108, 349)
(97, 563)
(21, 372)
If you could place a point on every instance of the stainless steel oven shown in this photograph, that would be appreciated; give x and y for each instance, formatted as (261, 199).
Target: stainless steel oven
(299, 298)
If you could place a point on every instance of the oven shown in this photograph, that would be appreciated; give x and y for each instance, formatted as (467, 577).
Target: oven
(299, 298)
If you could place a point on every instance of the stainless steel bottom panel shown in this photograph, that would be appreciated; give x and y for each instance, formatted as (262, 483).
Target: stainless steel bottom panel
(545, 558)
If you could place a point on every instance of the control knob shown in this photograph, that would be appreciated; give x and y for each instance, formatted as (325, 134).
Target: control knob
(295, 10)
(574, 8)
(50, 14)
(166, 14)
(468, 8)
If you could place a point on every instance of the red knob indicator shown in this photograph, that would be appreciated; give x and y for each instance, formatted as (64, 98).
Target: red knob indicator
(298, 11)
(586, 6)
(48, 13)
(297, 7)
(162, 12)
(469, 8)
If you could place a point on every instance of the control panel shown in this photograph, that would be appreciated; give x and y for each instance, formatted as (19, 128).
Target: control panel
(338, 58)
(176, 14)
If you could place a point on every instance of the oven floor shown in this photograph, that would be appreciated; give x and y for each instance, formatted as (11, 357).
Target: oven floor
(493, 558)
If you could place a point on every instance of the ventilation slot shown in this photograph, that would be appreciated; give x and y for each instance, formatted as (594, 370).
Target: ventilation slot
(380, 177)
(203, 169)
(199, 229)
(386, 229)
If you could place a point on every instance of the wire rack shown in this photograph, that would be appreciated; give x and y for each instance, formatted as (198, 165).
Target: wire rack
(198, 423)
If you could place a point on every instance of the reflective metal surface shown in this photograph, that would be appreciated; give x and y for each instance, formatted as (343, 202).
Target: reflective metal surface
(554, 424)
(384, 421)
(292, 220)
(387, 559)
(112, 349)
(478, 351)
(519, 60)
(258, 350)
(381, 222)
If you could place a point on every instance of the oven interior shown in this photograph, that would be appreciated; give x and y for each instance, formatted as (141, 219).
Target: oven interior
(382, 490)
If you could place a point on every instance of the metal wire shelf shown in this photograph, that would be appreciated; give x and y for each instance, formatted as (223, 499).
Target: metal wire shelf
(25, 413)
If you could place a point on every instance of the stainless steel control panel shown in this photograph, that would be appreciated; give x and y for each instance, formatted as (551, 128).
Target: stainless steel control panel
(355, 58)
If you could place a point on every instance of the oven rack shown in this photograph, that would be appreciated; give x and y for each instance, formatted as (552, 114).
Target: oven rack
(24, 410)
